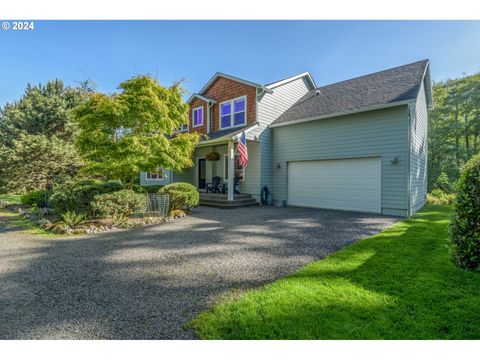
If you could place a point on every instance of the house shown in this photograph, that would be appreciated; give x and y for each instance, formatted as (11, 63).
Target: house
(359, 144)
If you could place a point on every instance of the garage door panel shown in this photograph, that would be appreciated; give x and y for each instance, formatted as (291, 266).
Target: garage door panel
(346, 184)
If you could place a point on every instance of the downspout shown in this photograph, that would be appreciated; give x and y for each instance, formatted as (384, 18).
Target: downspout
(208, 116)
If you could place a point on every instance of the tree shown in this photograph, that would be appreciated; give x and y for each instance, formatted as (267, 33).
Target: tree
(125, 133)
(33, 161)
(36, 136)
(454, 126)
(43, 109)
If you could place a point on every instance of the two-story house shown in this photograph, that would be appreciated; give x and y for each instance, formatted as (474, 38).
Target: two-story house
(357, 145)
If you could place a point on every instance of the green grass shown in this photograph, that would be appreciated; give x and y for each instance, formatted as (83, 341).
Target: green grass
(399, 284)
(11, 198)
(14, 220)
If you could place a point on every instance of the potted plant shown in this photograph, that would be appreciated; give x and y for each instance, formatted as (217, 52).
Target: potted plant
(213, 156)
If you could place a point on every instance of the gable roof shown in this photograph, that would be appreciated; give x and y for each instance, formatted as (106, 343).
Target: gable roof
(267, 88)
(292, 78)
(385, 88)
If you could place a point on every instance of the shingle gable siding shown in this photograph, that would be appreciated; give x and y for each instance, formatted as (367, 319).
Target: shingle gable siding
(224, 89)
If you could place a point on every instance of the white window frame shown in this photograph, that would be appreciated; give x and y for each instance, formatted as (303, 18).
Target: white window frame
(181, 129)
(160, 178)
(193, 117)
(225, 168)
(232, 113)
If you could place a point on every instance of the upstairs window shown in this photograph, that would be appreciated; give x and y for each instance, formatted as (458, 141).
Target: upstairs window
(233, 113)
(197, 116)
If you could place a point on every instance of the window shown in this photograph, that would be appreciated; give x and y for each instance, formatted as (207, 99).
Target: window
(239, 170)
(233, 113)
(158, 176)
(197, 116)
(182, 128)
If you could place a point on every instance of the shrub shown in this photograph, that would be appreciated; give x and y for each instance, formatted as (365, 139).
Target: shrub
(465, 225)
(182, 196)
(72, 219)
(119, 204)
(39, 197)
(146, 189)
(443, 183)
(78, 196)
(438, 197)
(177, 214)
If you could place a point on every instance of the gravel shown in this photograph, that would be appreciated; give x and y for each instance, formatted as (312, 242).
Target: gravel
(146, 283)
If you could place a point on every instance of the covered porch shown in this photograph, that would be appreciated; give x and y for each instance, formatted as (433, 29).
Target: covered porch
(218, 177)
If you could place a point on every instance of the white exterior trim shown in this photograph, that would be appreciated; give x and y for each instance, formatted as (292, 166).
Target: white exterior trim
(234, 78)
(193, 117)
(201, 97)
(232, 113)
(161, 178)
(292, 78)
(341, 113)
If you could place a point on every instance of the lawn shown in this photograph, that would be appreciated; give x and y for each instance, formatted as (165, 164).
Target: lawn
(10, 198)
(399, 284)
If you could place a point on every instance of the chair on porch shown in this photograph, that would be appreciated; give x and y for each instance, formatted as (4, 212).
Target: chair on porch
(236, 183)
(214, 186)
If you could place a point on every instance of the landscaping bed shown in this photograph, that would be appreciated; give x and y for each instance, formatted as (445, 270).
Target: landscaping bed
(92, 206)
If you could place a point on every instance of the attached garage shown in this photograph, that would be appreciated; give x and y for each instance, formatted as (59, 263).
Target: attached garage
(341, 184)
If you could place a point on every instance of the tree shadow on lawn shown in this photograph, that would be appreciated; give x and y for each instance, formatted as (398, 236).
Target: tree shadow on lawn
(400, 285)
(146, 283)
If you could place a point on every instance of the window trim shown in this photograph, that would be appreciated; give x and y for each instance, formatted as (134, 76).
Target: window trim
(193, 118)
(161, 178)
(182, 130)
(225, 168)
(232, 113)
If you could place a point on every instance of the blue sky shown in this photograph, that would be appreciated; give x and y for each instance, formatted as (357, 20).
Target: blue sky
(109, 52)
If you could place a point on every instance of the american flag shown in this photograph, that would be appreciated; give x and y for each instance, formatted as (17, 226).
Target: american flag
(242, 150)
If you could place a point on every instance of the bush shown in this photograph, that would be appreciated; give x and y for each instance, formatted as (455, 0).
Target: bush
(182, 196)
(38, 197)
(72, 219)
(119, 204)
(146, 189)
(443, 183)
(78, 196)
(465, 225)
(438, 197)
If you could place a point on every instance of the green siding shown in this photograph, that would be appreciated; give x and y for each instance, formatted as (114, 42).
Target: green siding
(270, 107)
(381, 133)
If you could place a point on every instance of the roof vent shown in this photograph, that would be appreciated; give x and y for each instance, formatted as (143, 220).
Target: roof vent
(318, 92)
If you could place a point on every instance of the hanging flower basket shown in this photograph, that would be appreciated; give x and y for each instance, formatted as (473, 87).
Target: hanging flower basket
(213, 156)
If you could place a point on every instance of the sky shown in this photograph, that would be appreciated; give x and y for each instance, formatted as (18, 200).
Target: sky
(109, 52)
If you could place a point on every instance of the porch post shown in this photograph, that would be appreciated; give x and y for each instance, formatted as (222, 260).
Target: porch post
(231, 153)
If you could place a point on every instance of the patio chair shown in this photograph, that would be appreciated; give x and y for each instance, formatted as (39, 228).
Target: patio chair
(214, 186)
(236, 183)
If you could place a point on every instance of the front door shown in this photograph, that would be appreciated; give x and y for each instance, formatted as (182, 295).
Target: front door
(202, 173)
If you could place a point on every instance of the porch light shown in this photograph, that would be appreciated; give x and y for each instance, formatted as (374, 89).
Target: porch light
(278, 166)
(394, 160)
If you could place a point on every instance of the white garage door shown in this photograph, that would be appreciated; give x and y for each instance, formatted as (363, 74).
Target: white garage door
(347, 184)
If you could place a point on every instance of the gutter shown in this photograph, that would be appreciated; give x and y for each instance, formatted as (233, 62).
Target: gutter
(342, 113)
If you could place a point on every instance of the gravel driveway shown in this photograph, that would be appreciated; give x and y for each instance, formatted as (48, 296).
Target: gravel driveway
(146, 283)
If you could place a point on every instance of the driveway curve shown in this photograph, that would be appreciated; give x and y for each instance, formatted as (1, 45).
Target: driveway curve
(146, 283)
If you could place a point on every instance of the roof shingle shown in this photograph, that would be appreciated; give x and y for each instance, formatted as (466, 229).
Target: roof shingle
(381, 88)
